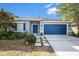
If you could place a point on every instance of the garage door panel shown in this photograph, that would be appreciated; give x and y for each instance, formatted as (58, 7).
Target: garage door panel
(54, 29)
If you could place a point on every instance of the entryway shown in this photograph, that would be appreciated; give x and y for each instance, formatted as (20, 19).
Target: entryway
(35, 27)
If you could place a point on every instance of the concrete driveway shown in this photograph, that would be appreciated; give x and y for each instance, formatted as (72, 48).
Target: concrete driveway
(64, 45)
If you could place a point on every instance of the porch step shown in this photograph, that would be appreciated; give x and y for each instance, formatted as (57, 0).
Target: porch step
(38, 44)
(44, 41)
(38, 40)
(46, 44)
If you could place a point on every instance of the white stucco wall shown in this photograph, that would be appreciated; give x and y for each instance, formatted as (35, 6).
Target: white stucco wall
(41, 27)
(20, 26)
(28, 26)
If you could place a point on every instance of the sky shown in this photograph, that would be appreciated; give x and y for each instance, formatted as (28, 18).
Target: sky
(45, 10)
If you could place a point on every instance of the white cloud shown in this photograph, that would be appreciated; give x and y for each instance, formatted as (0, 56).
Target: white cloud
(48, 5)
(51, 11)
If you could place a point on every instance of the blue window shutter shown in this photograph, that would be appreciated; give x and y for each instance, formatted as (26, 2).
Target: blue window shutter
(24, 26)
(15, 26)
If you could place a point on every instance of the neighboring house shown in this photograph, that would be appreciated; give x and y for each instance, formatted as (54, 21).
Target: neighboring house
(41, 25)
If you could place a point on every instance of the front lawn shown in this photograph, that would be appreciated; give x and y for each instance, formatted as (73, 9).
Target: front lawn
(18, 48)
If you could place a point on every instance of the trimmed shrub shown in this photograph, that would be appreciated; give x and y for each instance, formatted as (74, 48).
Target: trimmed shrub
(10, 35)
(23, 35)
(31, 39)
(16, 35)
(10, 32)
(3, 35)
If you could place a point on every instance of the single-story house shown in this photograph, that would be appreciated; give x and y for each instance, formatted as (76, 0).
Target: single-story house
(41, 25)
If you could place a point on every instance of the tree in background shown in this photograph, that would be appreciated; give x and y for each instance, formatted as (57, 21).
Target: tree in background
(69, 11)
(6, 19)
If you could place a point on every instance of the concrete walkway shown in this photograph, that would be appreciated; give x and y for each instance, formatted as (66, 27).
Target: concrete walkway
(64, 45)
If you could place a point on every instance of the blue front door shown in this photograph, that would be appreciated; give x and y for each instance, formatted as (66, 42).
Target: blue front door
(35, 28)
